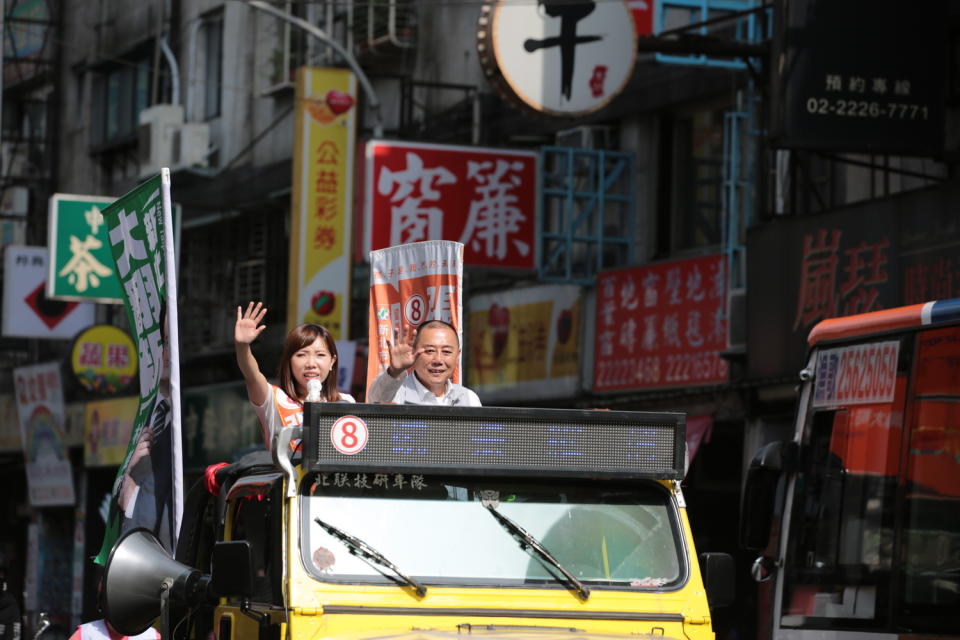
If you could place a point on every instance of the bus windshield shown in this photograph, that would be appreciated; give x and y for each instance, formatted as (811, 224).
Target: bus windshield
(874, 538)
(438, 530)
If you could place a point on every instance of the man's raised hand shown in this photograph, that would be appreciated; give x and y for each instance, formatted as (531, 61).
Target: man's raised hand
(402, 352)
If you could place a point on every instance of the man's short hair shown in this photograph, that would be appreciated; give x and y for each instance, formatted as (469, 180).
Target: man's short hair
(436, 324)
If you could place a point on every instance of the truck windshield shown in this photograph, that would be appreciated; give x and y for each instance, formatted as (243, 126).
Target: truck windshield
(437, 529)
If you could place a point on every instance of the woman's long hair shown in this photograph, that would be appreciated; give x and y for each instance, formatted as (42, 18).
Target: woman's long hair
(298, 338)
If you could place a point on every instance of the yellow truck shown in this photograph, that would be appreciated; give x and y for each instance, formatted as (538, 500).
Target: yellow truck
(418, 523)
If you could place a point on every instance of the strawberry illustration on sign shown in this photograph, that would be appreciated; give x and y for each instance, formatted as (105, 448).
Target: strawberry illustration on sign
(325, 110)
(499, 320)
(338, 101)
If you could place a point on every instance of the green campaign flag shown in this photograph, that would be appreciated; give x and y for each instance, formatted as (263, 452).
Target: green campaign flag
(148, 490)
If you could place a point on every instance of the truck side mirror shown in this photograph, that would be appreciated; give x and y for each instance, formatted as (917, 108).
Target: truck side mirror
(760, 492)
(232, 569)
(718, 578)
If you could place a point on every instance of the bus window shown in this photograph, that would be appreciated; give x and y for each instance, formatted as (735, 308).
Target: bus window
(930, 582)
(838, 564)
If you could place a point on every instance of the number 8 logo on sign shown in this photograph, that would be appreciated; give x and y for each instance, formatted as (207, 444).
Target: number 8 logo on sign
(349, 435)
(415, 309)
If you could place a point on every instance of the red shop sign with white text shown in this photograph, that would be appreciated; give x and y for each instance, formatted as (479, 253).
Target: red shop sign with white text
(482, 197)
(661, 325)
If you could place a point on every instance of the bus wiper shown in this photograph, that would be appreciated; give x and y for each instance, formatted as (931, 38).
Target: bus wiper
(528, 542)
(360, 548)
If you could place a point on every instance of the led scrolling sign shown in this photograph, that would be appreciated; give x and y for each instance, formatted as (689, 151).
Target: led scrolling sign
(474, 441)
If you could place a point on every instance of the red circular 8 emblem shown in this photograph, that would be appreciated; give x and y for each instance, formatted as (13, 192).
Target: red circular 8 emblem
(349, 435)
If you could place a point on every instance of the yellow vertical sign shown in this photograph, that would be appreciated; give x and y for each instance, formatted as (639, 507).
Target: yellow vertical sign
(322, 209)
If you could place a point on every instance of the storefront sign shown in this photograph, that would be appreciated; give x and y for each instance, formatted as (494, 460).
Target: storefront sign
(27, 311)
(885, 95)
(40, 408)
(558, 58)
(81, 267)
(104, 359)
(859, 374)
(865, 257)
(323, 158)
(525, 343)
(107, 425)
(661, 325)
(484, 198)
(409, 285)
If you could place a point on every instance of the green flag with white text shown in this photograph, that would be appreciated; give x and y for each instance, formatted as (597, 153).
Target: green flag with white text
(148, 490)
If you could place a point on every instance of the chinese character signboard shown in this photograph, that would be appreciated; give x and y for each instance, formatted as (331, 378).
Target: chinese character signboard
(409, 285)
(320, 243)
(525, 343)
(884, 95)
(40, 408)
(661, 325)
(865, 257)
(104, 358)
(27, 311)
(558, 58)
(81, 267)
(147, 491)
(484, 198)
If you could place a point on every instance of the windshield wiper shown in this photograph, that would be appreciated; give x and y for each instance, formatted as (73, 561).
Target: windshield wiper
(358, 547)
(528, 542)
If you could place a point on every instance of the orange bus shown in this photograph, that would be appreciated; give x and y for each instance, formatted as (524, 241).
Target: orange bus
(857, 518)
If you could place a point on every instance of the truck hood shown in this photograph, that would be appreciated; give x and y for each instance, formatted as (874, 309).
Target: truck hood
(496, 632)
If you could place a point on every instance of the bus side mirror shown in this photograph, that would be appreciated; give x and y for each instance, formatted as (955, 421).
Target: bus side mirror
(232, 569)
(760, 492)
(718, 578)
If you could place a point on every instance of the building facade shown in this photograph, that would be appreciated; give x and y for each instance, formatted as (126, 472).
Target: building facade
(689, 226)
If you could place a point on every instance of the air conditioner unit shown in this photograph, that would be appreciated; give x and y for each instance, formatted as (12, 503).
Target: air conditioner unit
(158, 126)
(586, 137)
(191, 145)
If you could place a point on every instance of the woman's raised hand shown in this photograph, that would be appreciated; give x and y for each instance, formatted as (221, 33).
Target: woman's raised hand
(248, 323)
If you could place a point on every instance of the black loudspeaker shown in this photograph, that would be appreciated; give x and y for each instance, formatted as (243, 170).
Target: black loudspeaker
(137, 573)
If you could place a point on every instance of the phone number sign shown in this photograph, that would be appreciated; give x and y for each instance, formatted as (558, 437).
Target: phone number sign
(883, 94)
(661, 325)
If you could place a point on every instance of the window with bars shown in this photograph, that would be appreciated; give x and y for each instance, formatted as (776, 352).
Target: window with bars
(225, 264)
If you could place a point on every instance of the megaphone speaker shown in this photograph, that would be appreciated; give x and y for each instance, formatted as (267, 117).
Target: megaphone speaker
(134, 579)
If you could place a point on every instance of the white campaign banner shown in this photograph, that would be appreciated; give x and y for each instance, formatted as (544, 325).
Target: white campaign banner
(40, 410)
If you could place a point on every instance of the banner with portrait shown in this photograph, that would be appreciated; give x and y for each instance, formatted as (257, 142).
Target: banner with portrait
(410, 284)
(148, 490)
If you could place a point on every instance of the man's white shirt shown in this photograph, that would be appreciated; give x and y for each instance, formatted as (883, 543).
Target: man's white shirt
(407, 389)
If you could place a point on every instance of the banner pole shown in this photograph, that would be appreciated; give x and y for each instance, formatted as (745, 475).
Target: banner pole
(173, 337)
